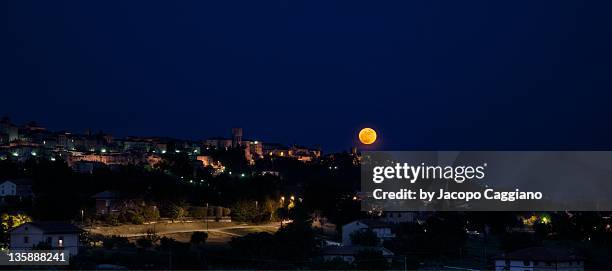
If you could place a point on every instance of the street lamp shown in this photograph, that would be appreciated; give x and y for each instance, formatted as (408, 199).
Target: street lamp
(206, 217)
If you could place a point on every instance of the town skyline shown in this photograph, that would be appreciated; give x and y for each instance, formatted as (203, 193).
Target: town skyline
(94, 131)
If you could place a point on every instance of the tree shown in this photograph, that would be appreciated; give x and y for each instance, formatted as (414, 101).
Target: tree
(11, 221)
(148, 240)
(198, 212)
(245, 211)
(518, 240)
(144, 243)
(176, 212)
(410, 239)
(198, 238)
(293, 242)
(115, 242)
(150, 213)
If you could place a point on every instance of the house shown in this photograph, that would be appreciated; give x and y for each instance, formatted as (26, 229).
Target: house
(398, 217)
(21, 188)
(108, 202)
(87, 167)
(56, 235)
(349, 253)
(380, 228)
(539, 258)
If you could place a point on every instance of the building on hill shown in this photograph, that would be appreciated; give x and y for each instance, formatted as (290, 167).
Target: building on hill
(8, 131)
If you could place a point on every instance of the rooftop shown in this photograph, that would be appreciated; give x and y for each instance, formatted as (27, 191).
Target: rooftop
(53, 227)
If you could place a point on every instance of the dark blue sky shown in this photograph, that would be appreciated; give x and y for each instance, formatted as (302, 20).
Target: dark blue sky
(425, 74)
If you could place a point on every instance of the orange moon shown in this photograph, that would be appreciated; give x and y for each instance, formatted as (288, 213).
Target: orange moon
(367, 136)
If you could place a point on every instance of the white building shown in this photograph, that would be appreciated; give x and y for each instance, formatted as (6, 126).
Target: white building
(56, 235)
(8, 188)
(539, 258)
(381, 229)
(18, 188)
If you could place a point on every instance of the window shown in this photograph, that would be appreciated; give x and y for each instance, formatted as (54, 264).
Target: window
(536, 263)
(60, 241)
(26, 239)
(49, 239)
(526, 263)
(507, 262)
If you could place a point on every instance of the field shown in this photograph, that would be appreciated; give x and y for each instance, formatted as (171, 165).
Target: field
(219, 233)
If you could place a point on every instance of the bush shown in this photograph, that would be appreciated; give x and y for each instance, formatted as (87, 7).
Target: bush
(175, 211)
(144, 243)
(198, 212)
(519, 240)
(199, 238)
(111, 219)
(150, 213)
(244, 211)
(137, 219)
(115, 242)
(166, 243)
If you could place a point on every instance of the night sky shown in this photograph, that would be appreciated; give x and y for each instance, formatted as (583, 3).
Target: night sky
(426, 74)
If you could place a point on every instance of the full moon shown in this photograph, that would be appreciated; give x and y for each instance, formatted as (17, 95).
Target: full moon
(367, 136)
